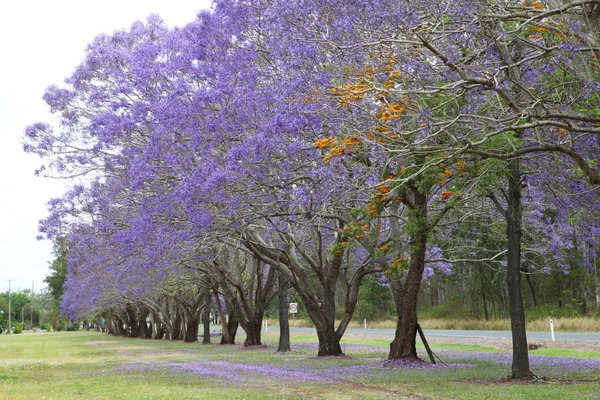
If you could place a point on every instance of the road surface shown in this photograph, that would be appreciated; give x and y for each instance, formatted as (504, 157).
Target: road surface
(559, 336)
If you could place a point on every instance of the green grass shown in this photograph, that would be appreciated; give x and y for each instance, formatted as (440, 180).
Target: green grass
(554, 352)
(92, 365)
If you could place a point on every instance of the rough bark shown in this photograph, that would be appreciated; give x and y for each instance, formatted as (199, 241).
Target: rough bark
(329, 344)
(133, 329)
(284, 324)
(530, 284)
(404, 343)
(145, 329)
(520, 362)
(228, 336)
(190, 334)
(406, 295)
(253, 329)
(206, 318)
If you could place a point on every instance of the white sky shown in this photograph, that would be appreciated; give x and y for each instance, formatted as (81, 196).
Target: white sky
(41, 43)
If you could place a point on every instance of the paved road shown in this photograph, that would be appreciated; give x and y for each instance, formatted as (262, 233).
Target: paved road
(595, 337)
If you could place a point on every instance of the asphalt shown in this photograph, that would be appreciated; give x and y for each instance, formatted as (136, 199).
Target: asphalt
(559, 336)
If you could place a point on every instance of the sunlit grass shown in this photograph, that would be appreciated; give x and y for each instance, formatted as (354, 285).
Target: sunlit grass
(592, 355)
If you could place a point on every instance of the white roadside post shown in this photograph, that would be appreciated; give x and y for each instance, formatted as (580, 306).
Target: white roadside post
(552, 329)
(365, 323)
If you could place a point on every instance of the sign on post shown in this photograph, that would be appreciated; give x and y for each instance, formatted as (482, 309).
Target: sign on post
(293, 308)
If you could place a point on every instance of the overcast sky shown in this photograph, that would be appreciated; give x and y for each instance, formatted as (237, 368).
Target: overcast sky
(41, 43)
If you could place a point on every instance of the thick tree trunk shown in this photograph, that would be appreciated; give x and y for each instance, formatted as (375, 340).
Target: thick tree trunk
(520, 363)
(117, 326)
(404, 344)
(206, 318)
(406, 296)
(133, 329)
(176, 324)
(159, 331)
(253, 329)
(323, 316)
(145, 330)
(329, 344)
(191, 328)
(284, 324)
(228, 336)
(530, 285)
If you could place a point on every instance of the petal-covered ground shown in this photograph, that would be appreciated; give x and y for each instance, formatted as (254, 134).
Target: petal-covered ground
(295, 368)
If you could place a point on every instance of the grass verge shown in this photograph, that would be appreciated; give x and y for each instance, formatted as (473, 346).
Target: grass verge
(66, 365)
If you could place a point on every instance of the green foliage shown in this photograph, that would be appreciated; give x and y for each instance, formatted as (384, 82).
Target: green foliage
(57, 277)
(374, 301)
(18, 328)
(18, 301)
(72, 328)
(59, 325)
(454, 308)
(548, 311)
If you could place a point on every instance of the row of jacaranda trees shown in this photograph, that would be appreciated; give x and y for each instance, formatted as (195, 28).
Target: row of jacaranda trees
(321, 142)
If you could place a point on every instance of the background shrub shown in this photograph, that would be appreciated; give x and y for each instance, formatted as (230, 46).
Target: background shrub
(548, 311)
(18, 328)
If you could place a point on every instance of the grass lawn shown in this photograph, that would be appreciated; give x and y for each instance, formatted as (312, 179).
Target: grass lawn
(68, 365)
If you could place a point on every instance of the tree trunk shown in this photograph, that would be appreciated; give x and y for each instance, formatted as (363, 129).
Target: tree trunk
(176, 323)
(145, 330)
(404, 344)
(323, 315)
(159, 331)
(228, 336)
(253, 329)
(133, 329)
(597, 287)
(329, 345)
(530, 284)
(190, 335)
(520, 363)
(284, 324)
(483, 298)
(406, 296)
(206, 318)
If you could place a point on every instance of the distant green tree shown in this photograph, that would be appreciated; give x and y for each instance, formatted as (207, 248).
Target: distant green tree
(56, 278)
(18, 302)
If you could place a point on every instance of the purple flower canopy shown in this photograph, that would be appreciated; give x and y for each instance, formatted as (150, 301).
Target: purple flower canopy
(286, 118)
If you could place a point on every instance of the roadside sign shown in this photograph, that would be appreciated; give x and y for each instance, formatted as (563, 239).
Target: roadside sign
(293, 308)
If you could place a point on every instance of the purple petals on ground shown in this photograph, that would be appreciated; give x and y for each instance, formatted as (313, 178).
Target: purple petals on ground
(422, 365)
(344, 370)
(539, 364)
(240, 373)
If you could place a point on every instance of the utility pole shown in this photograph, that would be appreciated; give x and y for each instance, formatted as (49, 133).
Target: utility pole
(9, 307)
(31, 308)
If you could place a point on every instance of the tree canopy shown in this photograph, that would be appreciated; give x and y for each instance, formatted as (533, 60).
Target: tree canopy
(326, 141)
